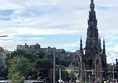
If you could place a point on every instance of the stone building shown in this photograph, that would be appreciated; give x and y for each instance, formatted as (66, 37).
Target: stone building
(94, 59)
(38, 48)
(4, 53)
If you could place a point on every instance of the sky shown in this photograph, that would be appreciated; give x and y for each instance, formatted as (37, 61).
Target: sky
(57, 23)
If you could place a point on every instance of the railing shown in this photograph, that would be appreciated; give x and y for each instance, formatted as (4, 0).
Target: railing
(26, 81)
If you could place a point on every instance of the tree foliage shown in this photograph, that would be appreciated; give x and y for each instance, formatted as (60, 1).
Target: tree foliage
(3, 70)
(17, 78)
(29, 64)
(20, 66)
(43, 66)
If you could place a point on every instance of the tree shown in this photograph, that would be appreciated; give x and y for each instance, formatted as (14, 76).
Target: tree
(49, 56)
(39, 55)
(3, 70)
(43, 66)
(110, 71)
(19, 66)
(17, 78)
(64, 73)
(30, 54)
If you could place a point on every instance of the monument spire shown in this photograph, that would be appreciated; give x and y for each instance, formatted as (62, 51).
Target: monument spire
(81, 46)
(92, 13)
(92, 41)
(81, 43)
(104, 50)
(92, 5)
(93, 45)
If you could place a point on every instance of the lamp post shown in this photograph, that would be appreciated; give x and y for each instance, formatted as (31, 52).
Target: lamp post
(81, 66)
(81, 69)
(113, 71)
(95, 69)
(54, 66)
(117, 69)
(85, 73)
(89, 78)
(60, 75)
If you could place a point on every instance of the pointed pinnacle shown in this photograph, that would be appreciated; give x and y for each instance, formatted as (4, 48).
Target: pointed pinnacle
(92, 5)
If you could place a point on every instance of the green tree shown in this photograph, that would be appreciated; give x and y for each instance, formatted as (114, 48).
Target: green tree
(19, 66)
(110, 71)
(17, 78)
(30, 54)
(49, 56)
(3, 70)
(43, 66)
(65, 75)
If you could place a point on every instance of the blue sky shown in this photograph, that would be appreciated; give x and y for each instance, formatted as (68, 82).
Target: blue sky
(57, 23)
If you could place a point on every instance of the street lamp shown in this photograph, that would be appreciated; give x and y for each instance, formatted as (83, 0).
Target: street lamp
(60, 75)
(117, 69)
(95, 68)
(81, 65)
(89, 78)
(54, 66)
(81, 69)
(113, 71)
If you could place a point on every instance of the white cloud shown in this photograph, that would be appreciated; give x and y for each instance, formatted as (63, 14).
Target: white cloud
(113, 49)
(76, 18)
(8, 5)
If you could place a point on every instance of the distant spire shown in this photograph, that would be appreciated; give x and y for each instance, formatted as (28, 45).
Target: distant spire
(103, 43)
(92, 5)
(92, 1)
(80, 43)
(104, 50)
(99, 44)
(81, 46)
(92, 14)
